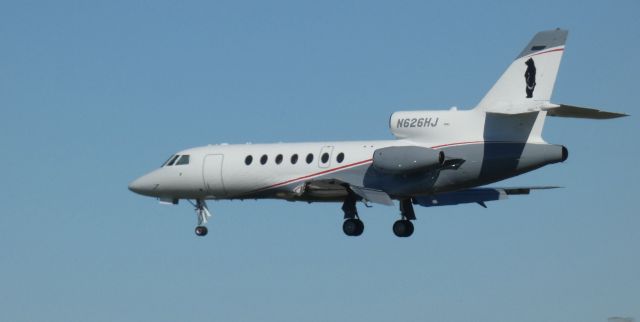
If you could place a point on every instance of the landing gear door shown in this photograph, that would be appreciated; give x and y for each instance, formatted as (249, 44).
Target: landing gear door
(324, 159)
(212, 174)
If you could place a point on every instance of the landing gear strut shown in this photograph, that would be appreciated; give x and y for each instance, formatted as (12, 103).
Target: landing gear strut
(203, 214)
(352, 225)
(404, 227)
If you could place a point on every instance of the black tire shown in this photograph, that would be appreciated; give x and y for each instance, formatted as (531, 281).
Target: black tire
(410, 232)
(353, 227)
(403, 228)
(201, 231)
(360, 227)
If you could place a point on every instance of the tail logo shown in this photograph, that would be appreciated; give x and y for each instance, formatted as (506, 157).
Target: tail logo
(530, 77)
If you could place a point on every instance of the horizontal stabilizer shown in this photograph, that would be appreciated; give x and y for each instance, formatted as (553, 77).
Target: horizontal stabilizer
(375, 196)
(479, 196)
(563, 110)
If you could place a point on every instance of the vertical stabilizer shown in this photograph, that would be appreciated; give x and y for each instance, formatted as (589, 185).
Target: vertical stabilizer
(527, 84)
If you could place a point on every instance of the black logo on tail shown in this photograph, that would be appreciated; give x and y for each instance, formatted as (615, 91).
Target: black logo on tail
(530, 77)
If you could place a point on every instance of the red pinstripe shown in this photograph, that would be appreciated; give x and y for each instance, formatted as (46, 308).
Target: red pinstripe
(548, 51)
(356, 164)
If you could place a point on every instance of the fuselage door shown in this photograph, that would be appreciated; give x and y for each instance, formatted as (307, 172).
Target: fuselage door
(212, 174)
(324, 159)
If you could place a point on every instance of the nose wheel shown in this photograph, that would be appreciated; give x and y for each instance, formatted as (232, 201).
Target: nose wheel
(201, 231)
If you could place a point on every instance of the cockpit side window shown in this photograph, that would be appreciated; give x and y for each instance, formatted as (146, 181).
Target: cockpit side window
(173, 160)
(183, 160)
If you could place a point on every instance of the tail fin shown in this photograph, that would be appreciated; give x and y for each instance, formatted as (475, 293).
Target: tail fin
(528, 83)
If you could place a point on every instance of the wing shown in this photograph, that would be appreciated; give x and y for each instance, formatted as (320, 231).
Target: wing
(476, 195)
(338, 190)
(372, 195)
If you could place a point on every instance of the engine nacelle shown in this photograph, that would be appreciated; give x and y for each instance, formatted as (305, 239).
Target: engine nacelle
(407, 159)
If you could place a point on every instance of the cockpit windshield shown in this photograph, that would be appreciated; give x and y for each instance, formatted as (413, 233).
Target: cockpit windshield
(177, 160)
(171, 160)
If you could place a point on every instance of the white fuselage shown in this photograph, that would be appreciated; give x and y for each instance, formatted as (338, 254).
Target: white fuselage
(242, 171)
(221, 171)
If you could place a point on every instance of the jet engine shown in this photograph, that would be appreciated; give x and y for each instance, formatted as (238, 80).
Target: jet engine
(407, 159)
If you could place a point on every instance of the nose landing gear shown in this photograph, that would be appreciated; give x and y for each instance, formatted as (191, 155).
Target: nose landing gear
(203, 214)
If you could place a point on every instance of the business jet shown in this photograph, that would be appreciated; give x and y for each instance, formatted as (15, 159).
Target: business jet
(438, 157)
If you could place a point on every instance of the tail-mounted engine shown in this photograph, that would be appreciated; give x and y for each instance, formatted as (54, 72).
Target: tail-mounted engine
(407, 159)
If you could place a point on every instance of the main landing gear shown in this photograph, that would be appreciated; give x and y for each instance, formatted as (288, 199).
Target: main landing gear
(203, 214)
(404, 226)
(353, 226)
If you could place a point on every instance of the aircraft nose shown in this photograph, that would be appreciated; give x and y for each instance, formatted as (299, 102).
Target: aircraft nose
(143, 186)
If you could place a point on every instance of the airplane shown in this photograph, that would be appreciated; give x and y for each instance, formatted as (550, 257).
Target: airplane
(438, 157)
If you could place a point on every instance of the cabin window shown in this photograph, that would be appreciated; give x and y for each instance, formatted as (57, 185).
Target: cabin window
(294, 159)
(183, 160)
(264, 159)
(309, 158)
(325, 157)
(279, 159)
(248, 160)
(340, 157)
(175, 157)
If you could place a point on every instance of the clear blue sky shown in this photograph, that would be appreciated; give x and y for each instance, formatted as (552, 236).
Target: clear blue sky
(94, 94)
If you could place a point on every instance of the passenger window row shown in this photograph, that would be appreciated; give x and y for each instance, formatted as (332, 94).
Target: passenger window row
(294, 158)
(184, 159)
